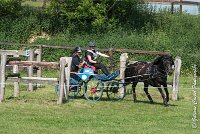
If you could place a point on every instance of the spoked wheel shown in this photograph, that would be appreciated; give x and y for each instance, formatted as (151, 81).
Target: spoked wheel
(73, 91)
(80, 90)
(115, 90)
(93, 90)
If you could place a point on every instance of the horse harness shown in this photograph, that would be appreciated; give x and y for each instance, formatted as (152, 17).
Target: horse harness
(152, 72)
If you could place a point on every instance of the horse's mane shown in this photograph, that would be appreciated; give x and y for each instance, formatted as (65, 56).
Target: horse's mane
(160, 58)
(157, 60)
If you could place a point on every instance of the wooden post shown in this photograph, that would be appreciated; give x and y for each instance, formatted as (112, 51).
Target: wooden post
(2, 76)
(30, 69)
(172, 7)
(111, 59)
(39, 59)
(61, 80)
(67, 76)
(176, 78)
(16, 84)
(35, 64)
(181, 6)
(123, 60)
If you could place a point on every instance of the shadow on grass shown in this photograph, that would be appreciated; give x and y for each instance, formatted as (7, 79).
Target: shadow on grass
(154, 103)
(11, 97)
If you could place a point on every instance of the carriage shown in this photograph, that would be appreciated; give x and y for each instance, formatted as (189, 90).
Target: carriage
(154, 73)
(92, 86)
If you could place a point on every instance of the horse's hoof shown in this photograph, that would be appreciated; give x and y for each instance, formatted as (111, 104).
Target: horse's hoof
(167, 99)
(166, 105)
(151, 102)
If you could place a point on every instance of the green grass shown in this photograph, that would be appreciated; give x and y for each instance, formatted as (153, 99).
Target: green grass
(37, 112)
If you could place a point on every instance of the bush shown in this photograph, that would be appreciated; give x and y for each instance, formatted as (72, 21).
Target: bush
(10, 8)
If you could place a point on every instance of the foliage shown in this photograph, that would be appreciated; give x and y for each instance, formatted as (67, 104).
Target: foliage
(93, 14)
(10, 7)
(107, 22)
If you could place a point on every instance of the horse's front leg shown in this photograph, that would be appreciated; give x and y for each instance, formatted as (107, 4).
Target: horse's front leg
(166, 91)
(134, 93)
(147, 93)
(162, 94)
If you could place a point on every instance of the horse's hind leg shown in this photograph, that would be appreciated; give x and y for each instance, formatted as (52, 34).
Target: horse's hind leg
(134, 93)
(147, 93)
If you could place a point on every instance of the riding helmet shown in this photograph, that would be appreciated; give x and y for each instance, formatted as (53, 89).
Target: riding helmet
(92, 44)
(77, 49)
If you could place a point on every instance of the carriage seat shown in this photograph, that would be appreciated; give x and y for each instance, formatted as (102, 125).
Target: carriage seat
(109, 77)
(73, 81)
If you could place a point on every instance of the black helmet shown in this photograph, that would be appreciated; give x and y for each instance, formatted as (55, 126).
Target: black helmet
(77, 49)
(92, 44)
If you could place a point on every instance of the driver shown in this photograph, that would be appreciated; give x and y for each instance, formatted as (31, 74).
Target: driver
(76, 63)
(76, 60)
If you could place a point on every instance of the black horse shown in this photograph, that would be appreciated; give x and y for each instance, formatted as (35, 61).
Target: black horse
(153, 73)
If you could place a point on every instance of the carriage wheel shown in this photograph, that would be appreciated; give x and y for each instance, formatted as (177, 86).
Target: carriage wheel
(80, 90)
(93, 90)
(115, 91)
(73, 91)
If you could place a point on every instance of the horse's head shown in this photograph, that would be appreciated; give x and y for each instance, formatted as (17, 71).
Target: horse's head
(166, 62)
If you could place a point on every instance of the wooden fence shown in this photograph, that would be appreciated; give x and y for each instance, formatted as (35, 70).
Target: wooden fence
(111, 51)
(64, 65)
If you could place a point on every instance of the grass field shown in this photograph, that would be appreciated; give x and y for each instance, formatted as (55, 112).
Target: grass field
(37, 112)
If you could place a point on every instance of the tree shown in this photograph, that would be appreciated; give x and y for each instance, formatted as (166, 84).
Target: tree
(97, 13)
(10, 7)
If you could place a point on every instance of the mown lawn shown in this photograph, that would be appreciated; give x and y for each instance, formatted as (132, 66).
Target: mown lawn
(37, 112)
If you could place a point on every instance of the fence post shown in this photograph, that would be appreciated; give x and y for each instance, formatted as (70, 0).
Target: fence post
(177, 72)
(16, 84)
(67, 76)
(123, 60)
(111, 59)
(62, 80)
(39, 59)
(181, 6)
(172, 7)
(30, 69)
(2, 76)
